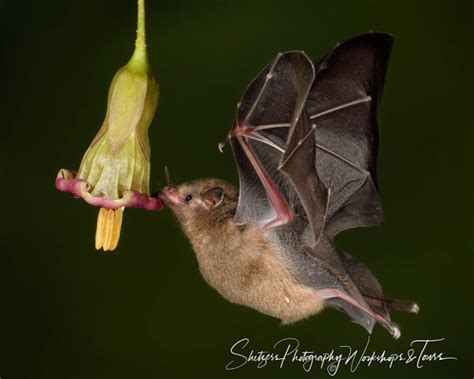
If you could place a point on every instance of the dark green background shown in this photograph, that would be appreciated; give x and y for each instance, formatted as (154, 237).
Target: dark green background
(144, 311)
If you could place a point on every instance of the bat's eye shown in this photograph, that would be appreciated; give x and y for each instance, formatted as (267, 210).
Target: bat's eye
(188, 198)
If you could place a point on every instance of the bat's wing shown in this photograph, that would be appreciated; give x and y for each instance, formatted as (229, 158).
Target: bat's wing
(298, 164)
(342, 105)
(271, 105)
(305, 138)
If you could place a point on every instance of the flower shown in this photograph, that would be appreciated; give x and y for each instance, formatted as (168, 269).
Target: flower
(115, 171)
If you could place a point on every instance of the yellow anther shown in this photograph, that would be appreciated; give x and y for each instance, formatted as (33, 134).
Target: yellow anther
(109, 225)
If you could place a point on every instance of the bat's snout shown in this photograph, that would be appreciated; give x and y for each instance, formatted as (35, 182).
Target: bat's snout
(170, 194)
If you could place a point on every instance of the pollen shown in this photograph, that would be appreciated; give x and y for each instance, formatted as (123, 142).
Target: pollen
(109, 224)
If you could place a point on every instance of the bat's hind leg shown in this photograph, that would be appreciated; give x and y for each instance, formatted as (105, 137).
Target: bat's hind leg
(392, 327)
(372, 292)
(361, 314)
(378, 312)
(382, 308)
(390, 304)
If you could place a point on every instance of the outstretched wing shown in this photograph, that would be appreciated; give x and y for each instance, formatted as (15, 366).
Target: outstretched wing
(271, 104)
(305, 138)
(342, 105)
(298, 164)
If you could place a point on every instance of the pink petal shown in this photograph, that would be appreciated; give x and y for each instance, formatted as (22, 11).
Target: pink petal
(66, 182)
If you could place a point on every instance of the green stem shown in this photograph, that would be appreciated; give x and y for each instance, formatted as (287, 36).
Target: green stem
(139, 60)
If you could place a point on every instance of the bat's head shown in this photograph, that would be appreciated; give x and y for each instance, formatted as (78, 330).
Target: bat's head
(201, 203)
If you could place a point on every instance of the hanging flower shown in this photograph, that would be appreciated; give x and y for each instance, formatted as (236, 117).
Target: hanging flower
(115, 171)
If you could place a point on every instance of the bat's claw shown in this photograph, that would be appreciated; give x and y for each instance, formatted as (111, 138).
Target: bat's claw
(414, 308)
(221, 144)
(395, 331)
(392, 328)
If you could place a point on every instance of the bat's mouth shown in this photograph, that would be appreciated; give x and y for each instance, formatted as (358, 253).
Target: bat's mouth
(171, 196)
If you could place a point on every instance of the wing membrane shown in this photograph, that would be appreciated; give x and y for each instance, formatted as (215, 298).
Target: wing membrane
(275, 97)
(307, 137)
(343, 103)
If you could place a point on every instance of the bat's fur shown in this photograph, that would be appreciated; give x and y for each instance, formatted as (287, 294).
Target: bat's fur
(239, 261)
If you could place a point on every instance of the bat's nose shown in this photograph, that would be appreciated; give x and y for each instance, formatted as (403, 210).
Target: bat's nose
(171, 194)
(169, 190)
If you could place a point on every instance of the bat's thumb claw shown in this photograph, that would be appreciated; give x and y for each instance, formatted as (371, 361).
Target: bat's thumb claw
(220, 146)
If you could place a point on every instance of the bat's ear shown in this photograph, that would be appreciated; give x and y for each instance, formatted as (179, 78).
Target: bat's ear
(213, 197)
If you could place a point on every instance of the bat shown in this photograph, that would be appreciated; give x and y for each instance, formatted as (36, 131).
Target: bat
(305, 142)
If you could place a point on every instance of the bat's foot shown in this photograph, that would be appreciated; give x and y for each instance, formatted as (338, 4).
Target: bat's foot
(395, 305)
(392, 327)
(379, 309)
(414, 308)
(382, 308)
(402, 305)
(396, 332)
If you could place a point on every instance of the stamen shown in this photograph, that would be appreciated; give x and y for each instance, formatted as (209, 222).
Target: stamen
(109, 229)
(99, 234)
(109, 224)
(117, 228)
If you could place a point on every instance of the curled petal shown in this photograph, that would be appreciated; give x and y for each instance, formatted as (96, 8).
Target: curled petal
(66, 182)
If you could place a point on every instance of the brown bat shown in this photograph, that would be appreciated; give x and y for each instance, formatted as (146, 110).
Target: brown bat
(305, 143)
